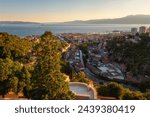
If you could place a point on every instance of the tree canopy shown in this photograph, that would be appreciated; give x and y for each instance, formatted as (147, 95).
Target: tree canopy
(134, 55)
(13, 52)
(80, 77)
(112, 89)
(116, 90)
(47, 78)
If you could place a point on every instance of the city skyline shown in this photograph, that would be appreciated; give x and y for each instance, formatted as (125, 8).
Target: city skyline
(69, 10)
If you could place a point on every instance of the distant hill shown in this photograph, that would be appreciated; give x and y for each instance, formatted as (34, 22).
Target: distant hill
(131, 19)
(17, 22)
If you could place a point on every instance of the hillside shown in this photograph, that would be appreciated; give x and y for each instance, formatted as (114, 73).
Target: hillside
(131, 19)
(17, 22)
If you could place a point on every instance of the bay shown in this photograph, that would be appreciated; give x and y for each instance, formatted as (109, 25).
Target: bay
(23, 30)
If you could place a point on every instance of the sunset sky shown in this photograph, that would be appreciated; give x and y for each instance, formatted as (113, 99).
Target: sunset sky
(68, 10)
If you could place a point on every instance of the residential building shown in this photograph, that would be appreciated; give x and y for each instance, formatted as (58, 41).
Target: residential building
(142, 30)
(149, 31)
(134, 31)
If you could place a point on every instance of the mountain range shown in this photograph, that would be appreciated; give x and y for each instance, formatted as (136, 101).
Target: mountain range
(131, 19)
(17, 22)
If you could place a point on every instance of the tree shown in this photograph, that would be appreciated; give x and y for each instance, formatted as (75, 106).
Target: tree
(130, 95)
(115, 90)
(13, 76)
(111, 89)
(66, 68)
(80, 77)
(5, 75)
(47, 80)
(13, 47)
(102, 90)
(147, 95)
(14, 84)
(5, 68)
(4, 87)
(133, 55)
(144, 85)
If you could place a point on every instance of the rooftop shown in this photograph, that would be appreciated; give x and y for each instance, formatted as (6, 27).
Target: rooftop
(112, 71)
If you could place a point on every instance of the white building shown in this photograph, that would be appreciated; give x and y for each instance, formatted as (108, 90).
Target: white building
(148, 31)
(134, 31)
(142, 30)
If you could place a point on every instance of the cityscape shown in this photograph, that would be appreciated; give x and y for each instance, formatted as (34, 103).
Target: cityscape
(88, 56)
(51, 52)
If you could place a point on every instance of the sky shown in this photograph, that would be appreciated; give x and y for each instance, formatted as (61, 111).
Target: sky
(69, 10)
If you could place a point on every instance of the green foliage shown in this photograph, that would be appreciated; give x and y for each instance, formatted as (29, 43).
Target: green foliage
(67, 69)
(14, 84)
(6, 66)
(13, 47)
(63, 44)
(12, 51)
(132, 95)
(112, 89)
(119, 92)
(47, 79)
(4, 87)
(134, 55)
(80, 77)
(144, 86)
(25, 73)
(84, 47)
(147, 95)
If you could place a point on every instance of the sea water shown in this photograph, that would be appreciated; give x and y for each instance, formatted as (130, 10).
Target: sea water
(23, 30)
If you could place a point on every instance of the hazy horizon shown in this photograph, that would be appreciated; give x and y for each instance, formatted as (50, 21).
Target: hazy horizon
(67, 20)
(49, 11)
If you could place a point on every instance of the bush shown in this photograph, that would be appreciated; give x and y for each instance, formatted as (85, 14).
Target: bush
(112, 89)
(130, 95)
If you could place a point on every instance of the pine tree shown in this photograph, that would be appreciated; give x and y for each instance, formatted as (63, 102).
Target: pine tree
(48, 81)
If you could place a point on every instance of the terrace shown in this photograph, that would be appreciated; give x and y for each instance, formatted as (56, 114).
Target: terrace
(83, 90)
